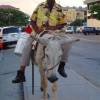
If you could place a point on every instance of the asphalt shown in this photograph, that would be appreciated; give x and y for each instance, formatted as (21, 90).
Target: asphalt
(74, 87)
(88, 38)
(9, 63)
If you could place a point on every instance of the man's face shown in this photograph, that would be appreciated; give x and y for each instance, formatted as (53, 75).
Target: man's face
(50, 2)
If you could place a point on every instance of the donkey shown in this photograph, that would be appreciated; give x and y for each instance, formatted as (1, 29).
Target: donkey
(48, 56)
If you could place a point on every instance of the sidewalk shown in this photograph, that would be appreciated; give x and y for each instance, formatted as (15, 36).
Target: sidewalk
(74, 87)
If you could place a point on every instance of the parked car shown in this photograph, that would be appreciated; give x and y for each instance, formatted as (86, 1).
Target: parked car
(69, 29)
(79, 29)
(10, 35)
(98, 30)
(90, 30)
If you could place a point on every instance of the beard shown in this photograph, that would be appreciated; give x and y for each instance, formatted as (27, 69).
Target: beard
(50, 4)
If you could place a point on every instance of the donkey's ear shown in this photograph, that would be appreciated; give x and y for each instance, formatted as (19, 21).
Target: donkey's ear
(42, 40)
(64, 41)
(68, 40)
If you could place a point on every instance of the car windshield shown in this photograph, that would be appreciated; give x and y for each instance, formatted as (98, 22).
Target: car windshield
(10, 30)
(68, 28)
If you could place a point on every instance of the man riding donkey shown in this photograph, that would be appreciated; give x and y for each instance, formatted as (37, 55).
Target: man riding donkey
(47, 16)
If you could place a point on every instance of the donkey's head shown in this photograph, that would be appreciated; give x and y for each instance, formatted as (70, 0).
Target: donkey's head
(53, 54)
(53, 51)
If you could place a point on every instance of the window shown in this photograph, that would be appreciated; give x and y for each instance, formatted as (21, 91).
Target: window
(68, 28)
(10, 30)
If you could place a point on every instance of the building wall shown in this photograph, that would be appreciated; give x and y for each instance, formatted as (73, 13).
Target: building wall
(71, 14)
(80, 15)
(65, 12)
(91, 22)
(91, 1)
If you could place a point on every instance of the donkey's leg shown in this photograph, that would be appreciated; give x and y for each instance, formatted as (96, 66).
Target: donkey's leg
(45, 85)
(43, 82)
(42, 77)
(40, 62)
(54, 91)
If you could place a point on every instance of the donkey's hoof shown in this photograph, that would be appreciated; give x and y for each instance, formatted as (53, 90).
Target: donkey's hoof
(41, 89)
(48, 95)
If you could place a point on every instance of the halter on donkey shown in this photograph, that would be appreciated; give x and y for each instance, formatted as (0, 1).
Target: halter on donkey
(48, 57)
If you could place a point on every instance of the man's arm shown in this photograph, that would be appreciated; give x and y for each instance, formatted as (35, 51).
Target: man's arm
(34, 26)
(34, 20)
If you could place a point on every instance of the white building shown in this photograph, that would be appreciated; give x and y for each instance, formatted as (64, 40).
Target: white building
(92, 22)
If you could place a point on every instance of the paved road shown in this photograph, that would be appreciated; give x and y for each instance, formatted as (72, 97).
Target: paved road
(89, 38)
(85, 59)
(8, 67)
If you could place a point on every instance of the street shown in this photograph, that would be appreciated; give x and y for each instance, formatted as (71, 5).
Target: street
(84, 59)
(8, 67)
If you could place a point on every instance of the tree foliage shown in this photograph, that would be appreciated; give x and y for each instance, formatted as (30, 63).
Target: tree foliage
(9, 17)
(95, 11)
(77, 22)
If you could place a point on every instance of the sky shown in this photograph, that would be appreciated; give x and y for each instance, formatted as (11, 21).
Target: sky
(28, 6)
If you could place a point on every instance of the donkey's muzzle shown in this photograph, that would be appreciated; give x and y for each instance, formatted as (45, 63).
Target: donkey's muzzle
(53, 78)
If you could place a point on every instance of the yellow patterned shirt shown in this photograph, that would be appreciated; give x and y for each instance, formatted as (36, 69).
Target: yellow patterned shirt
(42, 15)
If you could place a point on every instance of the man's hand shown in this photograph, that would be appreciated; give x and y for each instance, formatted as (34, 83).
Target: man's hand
(38, 30)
